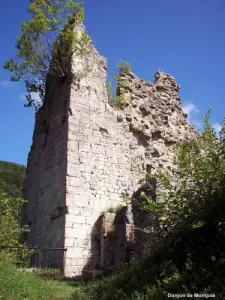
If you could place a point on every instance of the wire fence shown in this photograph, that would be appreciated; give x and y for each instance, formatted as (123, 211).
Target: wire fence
(47, 262)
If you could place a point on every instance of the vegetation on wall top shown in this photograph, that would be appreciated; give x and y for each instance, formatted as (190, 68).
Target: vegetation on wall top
(123, 67)
(46, 45)
(116, 100)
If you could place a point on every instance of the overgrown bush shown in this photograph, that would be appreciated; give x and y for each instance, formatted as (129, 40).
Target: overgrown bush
(191, 214)
(9, 225)
(198, 195)
(10, 230)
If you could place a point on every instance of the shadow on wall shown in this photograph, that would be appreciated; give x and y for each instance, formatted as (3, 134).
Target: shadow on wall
(117, 239)
(93, 268)
(144, 222)
(45, 183)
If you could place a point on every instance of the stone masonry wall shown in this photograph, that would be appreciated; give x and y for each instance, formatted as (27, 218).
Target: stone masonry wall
(45, 182)
(85, 155)
(107, 149)
(101, 164)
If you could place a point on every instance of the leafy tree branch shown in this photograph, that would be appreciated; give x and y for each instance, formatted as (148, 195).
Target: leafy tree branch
(47, 43)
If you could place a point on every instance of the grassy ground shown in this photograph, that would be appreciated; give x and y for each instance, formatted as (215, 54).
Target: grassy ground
(165, 271)
(21, 285)
(17, 284)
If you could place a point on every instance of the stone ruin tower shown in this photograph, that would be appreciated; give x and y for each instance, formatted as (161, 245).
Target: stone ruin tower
(85, 155)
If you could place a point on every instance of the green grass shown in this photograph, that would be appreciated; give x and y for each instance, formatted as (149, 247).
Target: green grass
(20, 285)
(149, 279)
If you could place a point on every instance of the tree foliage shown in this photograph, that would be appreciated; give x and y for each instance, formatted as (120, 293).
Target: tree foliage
(9, 225)
(46, 44)
(190, 217)
(11, 185)
(11, 179)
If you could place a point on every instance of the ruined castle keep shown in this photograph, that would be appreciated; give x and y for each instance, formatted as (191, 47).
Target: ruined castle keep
(85, 155)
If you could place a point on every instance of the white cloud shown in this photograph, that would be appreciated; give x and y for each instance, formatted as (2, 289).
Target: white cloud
(34, 96)
(190, 109)
(197, 123)
(4, 83)
(217, 127)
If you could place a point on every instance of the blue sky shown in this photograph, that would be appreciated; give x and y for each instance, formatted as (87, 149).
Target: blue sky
(182, 37)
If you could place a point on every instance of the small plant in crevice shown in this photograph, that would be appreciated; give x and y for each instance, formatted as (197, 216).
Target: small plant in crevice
(111, 95)
(111, 210)
(120, 102)
(81, 75)
(123, 67)
(115, 209)
(146, 179)
(120, 83)
(117, 99)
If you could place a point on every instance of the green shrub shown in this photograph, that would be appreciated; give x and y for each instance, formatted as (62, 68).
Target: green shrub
(199, 192)
(115, 209)
(123, 67)
(9, 225)
(10, 230)
(115, 99)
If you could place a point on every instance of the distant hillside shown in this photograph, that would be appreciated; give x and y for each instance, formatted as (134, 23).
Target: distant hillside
(11, 178)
